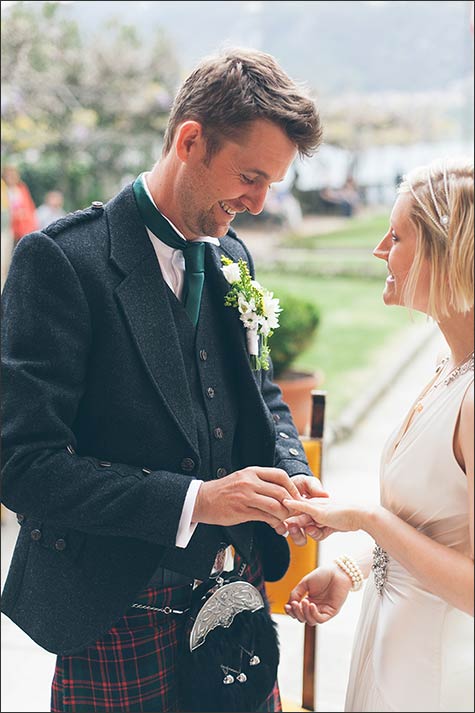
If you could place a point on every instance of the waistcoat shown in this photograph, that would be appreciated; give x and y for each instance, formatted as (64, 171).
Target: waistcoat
(213, 395)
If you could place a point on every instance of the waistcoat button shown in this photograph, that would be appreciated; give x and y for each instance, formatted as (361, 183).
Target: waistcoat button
(60, 544)
(20, 518)
(203, 354)
(210, 392)
(293, 452)
(283, 435)
(218, 433)
(35, 535)
(221, 472)
(187, 464)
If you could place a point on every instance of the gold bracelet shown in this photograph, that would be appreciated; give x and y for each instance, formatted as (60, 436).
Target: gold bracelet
(348, 565)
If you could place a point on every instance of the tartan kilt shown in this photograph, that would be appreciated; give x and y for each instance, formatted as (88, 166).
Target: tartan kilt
(133, 668)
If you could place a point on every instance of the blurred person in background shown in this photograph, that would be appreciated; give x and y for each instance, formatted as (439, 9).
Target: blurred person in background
(413, 649)
(21, 207)
(51, 209)
(346, 198)
(154, 447)
(6, 234)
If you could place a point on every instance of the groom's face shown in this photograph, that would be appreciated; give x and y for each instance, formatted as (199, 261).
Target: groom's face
(237, 178)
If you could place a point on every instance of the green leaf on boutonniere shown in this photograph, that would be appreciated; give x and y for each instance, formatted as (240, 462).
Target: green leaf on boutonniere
(258, 310)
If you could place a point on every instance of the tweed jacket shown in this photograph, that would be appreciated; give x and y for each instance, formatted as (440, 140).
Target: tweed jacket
(99, 443)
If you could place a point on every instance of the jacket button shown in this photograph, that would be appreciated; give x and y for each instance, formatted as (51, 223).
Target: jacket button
(203, 354)
(218, 433)
(187, 464)
(276, 417)
(20, 518)
(70, 449)
(293, 452)
(105, 464)
(221, 472)
(97, 205)
(60, 544)
(210, 392)
(283, 435)
(35, 535)
(146, 471)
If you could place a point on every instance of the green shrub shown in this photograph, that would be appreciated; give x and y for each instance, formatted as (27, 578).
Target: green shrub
(299, 321)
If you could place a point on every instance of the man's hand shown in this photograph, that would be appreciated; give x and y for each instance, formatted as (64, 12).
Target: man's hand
(297, 526)
(309, 487)
(253, 493)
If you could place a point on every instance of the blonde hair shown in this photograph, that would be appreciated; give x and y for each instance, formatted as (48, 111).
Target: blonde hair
(442, 213)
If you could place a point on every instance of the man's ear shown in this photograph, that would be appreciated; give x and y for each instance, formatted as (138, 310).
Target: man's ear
(189, 139)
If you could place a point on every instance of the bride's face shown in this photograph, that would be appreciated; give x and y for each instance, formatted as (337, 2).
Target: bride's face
(398, 249)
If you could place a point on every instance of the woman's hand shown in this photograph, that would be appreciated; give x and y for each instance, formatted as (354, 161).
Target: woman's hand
(319, 595)
(306, 525)
(308, 488)
(326, 513)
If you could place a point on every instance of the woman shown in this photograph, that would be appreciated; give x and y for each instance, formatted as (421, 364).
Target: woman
(413, 649)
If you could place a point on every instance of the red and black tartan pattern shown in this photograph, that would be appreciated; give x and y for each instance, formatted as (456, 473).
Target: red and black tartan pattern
(133, 669)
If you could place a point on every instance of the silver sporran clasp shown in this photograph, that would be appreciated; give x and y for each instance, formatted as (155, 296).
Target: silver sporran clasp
(221, 608)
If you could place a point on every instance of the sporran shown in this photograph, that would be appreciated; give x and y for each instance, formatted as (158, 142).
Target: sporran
(231, 652)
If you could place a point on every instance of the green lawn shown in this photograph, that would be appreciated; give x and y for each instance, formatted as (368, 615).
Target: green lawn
(363, 232)
(355, 326)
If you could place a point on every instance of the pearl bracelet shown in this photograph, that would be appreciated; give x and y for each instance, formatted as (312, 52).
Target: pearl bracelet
(348, 565)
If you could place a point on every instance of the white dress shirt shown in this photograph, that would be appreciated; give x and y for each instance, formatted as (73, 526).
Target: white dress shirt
(172, 265)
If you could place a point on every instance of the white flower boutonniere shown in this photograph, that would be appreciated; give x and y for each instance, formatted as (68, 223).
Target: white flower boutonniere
(258, 308)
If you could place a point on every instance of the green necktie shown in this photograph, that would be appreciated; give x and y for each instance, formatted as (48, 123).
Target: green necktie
(193, 251)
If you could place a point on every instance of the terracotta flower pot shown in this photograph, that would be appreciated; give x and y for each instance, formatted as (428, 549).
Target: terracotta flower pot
(296, 391)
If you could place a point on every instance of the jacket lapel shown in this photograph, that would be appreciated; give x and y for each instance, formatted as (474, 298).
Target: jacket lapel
(230, 317)
(253, 409)
(220, 287)
(142, 296)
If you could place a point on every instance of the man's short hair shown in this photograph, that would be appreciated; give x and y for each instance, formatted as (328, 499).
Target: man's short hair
(227, 92)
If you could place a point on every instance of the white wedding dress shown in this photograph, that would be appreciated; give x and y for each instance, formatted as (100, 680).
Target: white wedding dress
(413, 651)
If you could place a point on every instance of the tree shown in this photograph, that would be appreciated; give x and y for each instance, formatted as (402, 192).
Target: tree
(81, 114)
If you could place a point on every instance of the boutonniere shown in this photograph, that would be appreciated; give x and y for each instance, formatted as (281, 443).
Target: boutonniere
(258, 309)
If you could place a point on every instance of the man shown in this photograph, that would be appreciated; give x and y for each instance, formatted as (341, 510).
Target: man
(138, 443)
(20, 204)
(51, 209)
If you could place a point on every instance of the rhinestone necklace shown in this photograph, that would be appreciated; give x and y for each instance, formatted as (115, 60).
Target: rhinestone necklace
(467, 364)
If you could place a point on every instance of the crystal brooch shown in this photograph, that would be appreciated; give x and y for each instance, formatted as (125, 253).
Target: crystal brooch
(380, 567)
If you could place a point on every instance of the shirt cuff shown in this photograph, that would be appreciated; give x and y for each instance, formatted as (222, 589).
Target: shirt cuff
(186, 528)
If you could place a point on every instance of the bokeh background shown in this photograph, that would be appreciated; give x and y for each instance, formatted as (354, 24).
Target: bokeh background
(86, 90)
